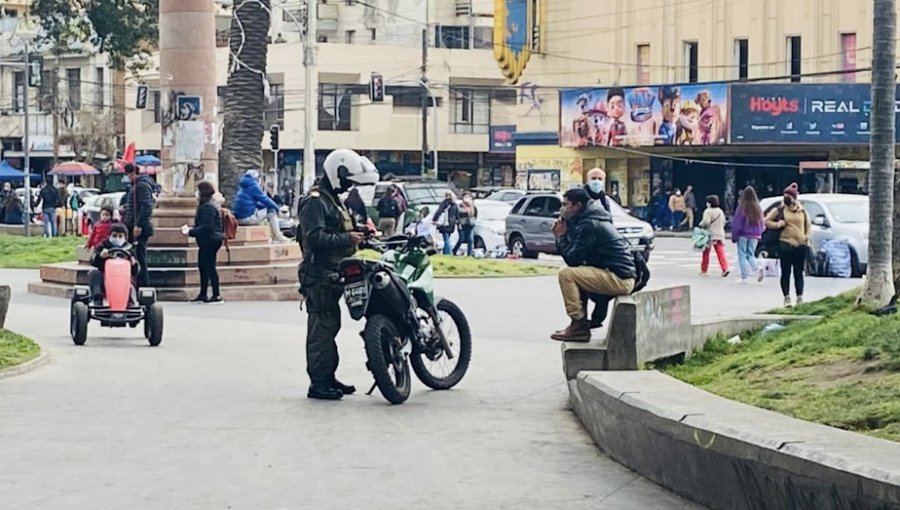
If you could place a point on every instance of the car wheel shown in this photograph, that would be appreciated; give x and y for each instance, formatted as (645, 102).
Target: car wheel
(479, 243)
(518, 249)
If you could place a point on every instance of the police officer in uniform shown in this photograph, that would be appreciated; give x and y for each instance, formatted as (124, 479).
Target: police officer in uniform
(327, 237)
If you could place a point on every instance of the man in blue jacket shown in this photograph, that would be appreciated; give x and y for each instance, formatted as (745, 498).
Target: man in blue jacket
(598, 258)
(251, 206)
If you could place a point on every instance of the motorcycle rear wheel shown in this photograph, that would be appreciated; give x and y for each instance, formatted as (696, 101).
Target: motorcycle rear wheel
(461, 344)
(391, 372)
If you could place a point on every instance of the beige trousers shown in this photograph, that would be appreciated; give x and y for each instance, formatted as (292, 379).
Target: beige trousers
(573, 280)
(688, 219)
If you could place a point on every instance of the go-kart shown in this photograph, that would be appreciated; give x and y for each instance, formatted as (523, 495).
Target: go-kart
(119, 308)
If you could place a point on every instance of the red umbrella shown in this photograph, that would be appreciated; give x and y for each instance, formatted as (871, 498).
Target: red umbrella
(73, 168)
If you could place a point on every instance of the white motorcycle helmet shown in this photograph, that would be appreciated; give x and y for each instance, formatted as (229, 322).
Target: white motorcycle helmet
(344, 168)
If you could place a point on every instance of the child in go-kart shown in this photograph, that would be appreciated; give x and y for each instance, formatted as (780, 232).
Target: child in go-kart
(117, 241)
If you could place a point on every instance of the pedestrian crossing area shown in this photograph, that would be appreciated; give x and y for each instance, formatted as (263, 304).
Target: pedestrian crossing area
(689, 259)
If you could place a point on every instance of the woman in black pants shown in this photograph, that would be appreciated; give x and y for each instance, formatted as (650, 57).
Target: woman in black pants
(209, 235)
(795, 226)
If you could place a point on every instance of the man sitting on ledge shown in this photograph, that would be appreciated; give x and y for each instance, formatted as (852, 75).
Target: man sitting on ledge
(598, 258)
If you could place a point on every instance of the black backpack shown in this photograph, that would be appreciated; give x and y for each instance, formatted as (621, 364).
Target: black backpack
(642, 272)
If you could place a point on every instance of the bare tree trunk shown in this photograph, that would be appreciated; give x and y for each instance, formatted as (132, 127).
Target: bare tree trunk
(244, 96)
(879, 287)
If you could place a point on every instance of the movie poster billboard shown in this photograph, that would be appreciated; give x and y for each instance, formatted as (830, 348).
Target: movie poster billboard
(801, 113)
(692, 114)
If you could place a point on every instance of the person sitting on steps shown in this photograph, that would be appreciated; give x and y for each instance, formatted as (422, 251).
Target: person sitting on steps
(251, 206)
(598, 260)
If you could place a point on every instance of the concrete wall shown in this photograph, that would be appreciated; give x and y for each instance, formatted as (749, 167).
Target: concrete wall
(727, 455)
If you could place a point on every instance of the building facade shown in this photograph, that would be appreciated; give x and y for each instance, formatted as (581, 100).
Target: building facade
(75, 100)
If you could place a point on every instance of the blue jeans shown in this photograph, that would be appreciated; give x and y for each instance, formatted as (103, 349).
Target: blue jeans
(447, 247)
(50, 229)
(466, 235)
(747, 256)
(677, 218)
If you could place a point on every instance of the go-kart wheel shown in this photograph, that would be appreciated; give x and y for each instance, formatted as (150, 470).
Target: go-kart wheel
(153, 324)
(78, 323)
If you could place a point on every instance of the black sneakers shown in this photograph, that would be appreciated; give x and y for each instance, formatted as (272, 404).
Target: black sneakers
(215, 300)
(322, 392)
(199, 300)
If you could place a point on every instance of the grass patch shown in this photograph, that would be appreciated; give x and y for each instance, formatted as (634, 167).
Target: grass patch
(468, 267)
(843, 371)
(20, 252)
(825, 307)
(16, 349)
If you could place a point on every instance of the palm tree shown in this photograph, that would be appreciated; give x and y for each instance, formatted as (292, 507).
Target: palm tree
(879, 287)
(244, 95)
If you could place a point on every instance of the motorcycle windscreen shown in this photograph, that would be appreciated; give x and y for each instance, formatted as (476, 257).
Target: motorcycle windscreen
(117, 283)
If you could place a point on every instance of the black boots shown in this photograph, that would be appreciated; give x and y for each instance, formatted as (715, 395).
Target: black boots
(345, 389)
(324, 392)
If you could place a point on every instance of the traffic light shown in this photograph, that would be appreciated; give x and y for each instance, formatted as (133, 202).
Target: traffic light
(142, 92)
(273, 136)
(429, 160)
(376, 88)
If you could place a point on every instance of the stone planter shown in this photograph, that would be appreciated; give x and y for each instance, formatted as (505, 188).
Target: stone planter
(4, 303)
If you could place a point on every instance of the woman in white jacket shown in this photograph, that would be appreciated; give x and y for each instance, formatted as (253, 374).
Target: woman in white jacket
(714, 222)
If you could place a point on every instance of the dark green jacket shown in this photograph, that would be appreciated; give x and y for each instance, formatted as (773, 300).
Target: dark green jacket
(325, 227)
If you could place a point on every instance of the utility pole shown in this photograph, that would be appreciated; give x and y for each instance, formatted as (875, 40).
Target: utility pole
(425, 168)
(311, 112)
(27, 141)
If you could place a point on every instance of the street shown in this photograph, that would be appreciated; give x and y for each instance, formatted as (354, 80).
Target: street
(217, 416)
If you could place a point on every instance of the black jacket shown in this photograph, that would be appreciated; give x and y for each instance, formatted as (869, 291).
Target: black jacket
(207, 223)
(49, 197)
(388, 207)
(452, 209)
(599, 196)
(98, 261)
(592, 240)
(140, 195)
(325, 226)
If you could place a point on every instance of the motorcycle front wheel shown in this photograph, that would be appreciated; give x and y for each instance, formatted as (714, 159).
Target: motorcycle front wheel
(444, 373)
(387, 362)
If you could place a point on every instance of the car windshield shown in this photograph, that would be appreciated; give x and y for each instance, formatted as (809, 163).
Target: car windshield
(427, 194)
(492, 213)
(850, 212)
(616, 210)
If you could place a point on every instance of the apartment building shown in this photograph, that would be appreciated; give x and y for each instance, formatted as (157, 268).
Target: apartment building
(72, 98)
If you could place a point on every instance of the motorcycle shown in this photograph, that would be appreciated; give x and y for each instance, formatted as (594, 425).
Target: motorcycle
(405, 323)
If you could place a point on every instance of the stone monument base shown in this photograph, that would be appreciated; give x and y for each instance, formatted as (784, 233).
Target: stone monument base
(255, 270)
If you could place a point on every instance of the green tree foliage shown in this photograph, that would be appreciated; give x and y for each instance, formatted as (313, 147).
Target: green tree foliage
(126, 30)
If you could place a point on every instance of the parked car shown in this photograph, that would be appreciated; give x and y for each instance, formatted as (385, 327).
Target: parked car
(528, 226)
(508, 195)
(490, 227)
(93, 204)
(835, 216)
(481, 192)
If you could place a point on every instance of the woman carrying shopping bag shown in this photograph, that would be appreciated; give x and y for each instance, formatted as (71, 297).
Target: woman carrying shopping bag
(714, 222)
(795, 226)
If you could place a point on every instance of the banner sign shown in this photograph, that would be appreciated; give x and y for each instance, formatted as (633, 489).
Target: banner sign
(502, 139)
(643, 116)
(799, 113)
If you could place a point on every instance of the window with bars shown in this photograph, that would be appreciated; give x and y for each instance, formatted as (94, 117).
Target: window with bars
(643, 64)
(73, 82)
(99, 86)
(471, 111)
(18, 101)
(46, 91)
(274, 113)
(453, 37)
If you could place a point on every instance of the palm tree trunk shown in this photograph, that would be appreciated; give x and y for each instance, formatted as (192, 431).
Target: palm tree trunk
(879, 287)
(244, 96)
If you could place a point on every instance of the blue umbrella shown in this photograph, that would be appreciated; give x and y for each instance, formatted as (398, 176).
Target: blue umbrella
(147, 160)
(10, 173)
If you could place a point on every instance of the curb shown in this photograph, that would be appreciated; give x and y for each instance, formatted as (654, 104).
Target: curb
(26, 367)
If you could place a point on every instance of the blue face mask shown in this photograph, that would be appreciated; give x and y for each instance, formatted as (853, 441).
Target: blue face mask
(596, 186)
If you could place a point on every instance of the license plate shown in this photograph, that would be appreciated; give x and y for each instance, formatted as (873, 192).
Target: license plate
(356, 294)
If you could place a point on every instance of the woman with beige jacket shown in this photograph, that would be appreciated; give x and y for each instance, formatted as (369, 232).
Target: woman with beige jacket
(795, 226)
(714, 221)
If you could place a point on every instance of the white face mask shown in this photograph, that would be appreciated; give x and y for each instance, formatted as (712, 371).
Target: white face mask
(118, 242)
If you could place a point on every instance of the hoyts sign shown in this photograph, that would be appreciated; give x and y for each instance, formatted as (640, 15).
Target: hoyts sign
(801, 113)
(774, 106)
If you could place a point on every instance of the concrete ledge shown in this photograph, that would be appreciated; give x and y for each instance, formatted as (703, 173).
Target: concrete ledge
(728, 455)
(18, 230)
(704, 329)
(26, 367)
